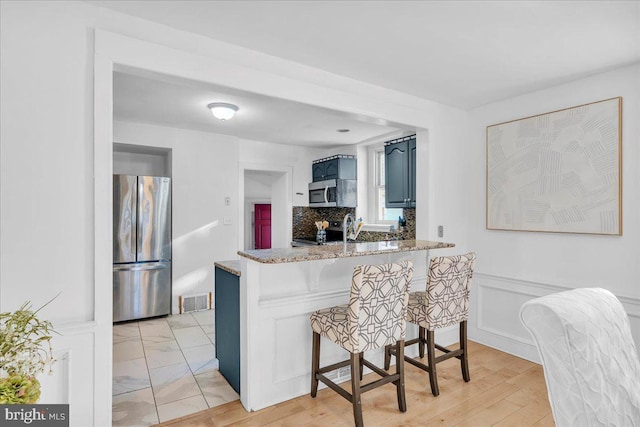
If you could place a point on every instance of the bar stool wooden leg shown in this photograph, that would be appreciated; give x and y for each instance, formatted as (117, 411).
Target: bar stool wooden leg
(402, 401)
(355, 390)
(315, 363)
(421, 333)
(387, 357)
(431, 361)
(464, 358)
(361, 356)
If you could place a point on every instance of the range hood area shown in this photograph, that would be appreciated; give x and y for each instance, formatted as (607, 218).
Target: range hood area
(334, 182)
(333, 193)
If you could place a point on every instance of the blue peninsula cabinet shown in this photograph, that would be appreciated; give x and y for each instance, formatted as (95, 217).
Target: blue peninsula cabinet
(227, 315)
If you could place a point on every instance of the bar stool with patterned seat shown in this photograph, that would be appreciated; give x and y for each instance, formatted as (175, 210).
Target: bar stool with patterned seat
(374, 318)
(445, 303)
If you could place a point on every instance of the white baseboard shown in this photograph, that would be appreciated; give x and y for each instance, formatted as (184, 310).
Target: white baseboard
(495, 306)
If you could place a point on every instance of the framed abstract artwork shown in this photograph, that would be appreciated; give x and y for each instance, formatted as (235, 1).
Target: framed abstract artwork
(557, 172)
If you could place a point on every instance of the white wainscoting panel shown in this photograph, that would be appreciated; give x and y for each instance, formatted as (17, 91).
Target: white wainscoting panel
(72, 380)
(55, 386)
(494, 317)
(292, 358)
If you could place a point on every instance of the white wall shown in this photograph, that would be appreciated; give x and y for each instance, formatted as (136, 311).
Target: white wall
(515, 266)
(365, 181)
(46, 173)
(135, 162)
(256, 187)
(204, 172)
(441, 187)
(281, 212)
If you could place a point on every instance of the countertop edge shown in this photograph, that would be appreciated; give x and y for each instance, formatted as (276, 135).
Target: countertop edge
(352, 251)
(230, 266)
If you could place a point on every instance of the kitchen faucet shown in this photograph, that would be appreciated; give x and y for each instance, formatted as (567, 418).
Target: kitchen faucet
(346, 223)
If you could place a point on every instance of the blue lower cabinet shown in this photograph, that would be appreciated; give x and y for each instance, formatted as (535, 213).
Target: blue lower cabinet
(227, 313)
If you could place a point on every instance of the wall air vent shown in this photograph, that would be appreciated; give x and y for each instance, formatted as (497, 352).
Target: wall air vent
(199, 302)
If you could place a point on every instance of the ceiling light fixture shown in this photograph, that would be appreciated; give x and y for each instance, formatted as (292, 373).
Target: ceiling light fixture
(343, 130)
(223, 110)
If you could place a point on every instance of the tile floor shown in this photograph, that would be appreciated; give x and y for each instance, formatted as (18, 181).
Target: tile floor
(165, 368)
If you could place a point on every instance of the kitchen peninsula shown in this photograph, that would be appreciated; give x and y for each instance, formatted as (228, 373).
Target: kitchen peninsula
(280, 288)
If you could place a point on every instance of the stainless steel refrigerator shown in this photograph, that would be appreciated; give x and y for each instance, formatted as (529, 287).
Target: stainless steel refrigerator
(141, 247)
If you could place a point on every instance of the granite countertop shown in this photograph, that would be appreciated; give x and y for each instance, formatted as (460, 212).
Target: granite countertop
(309, 253)
(232, 267)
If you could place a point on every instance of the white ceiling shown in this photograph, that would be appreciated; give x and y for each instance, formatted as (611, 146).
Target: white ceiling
(151, 98)
(460, 53)
(463, 53)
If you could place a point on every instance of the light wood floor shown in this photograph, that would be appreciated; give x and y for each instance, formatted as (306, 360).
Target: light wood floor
(504, 391)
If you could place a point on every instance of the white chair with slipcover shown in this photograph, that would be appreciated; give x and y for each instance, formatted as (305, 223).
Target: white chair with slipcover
(591, 364)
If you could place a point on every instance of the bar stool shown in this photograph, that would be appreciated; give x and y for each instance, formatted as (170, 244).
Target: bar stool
(445, 303)
(374, 318)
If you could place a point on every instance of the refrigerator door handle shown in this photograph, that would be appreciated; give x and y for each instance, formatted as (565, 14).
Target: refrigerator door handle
(141, 266)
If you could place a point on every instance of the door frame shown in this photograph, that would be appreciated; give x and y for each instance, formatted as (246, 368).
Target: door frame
(283, 210)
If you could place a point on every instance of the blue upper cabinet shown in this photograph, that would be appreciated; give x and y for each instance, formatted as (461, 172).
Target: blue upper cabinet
(341, 166)
(332, 169)
(318, 171)
(400, 173)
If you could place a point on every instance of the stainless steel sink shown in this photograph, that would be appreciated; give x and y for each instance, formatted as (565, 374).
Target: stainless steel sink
(304, 242)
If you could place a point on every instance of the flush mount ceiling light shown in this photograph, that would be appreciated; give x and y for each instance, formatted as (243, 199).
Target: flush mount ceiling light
(222, 110)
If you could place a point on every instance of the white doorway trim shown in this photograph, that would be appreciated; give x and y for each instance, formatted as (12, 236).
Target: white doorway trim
(285, 195)
(103, 237)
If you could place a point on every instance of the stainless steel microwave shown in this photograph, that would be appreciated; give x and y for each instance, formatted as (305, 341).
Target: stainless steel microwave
(341, 193)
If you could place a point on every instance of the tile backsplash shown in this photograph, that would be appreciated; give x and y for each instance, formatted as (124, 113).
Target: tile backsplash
(304, 227)
(304, 219)
(408, 232)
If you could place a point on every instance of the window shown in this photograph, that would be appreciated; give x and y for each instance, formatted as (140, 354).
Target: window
(383, 214)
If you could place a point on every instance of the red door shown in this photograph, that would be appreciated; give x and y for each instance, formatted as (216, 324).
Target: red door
(262, 222)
